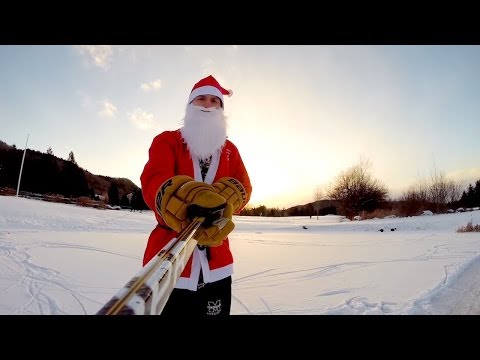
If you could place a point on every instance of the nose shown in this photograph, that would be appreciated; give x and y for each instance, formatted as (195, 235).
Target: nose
(209, 103)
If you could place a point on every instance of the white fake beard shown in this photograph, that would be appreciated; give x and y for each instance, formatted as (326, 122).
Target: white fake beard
(204, 130)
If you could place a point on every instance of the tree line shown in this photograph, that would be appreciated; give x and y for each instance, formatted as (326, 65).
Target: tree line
(45, 173)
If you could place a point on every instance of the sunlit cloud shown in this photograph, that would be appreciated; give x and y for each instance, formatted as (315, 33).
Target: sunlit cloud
(469, 176)
(152, 85)
(98, 55)
(108, 109)
(141, 119)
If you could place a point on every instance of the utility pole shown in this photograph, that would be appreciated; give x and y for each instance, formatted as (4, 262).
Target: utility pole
(21, 166)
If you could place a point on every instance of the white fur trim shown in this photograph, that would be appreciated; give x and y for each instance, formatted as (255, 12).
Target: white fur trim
(212, 170)
(197, 172)
(205, 90)
(200, 261)
(220, 273)
(211, 275)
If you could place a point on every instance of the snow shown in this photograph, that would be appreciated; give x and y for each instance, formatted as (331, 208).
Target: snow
(67, 260)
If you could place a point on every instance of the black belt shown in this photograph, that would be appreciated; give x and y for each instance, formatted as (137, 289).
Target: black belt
(201, 283)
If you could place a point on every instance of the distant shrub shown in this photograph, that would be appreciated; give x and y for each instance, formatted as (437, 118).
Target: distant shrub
(101, 205)
(86, 201)
(7, 191)
(381, 213)
(469, 228)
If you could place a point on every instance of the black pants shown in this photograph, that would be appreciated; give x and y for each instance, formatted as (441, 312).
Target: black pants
(212, 299)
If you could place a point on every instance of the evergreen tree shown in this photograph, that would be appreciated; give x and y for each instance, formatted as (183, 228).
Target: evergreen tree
(476, 192)
(71, 158)
(113, 196)
(470, 196)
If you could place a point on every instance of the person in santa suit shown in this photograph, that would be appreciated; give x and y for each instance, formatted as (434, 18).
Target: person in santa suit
(198, 168)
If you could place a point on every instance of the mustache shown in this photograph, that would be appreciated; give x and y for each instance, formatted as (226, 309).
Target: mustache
(204, 109)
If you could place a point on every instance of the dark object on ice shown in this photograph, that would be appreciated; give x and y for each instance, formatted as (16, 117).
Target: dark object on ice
(393, 229)
(381, 230)
(305, 227)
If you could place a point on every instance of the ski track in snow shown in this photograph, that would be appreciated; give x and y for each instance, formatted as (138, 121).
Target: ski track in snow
(38, 281)
(235, 298)
(362, 305)
(39, 285)
(469, 282)
(34, 279)
(286, 277)
(458, 295)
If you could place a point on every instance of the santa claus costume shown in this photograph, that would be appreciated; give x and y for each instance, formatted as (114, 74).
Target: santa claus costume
(199, 149)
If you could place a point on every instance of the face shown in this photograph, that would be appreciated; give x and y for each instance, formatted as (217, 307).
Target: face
(207, 101)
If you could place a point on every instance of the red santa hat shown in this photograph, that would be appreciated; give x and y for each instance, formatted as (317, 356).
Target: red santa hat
(208, 86)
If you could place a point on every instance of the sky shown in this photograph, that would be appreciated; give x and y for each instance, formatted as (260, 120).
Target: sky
(299, 114)
(59, 259)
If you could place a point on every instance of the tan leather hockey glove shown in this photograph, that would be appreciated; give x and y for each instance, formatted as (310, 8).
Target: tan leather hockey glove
(180, 199)
(232, 190)
(214, 234)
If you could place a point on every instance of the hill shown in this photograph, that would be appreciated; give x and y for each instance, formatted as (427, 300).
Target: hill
(45, 173)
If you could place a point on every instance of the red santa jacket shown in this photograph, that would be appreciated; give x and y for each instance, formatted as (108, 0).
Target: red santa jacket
(169, 156)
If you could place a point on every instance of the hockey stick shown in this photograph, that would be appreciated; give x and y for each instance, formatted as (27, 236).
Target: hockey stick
(148, 290)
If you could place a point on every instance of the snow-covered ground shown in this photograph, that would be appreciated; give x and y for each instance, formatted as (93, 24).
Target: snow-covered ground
(65, 259)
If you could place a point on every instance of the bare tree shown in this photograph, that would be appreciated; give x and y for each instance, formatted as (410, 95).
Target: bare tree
(437, 190)
(422, 188)
(50, 151)
(455, 189)
(357, 190)
(317, 196)
(434, 193)
(415, 198)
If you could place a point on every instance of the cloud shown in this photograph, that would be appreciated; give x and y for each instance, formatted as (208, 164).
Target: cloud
(470, 176)
(109, 110)
(98, 55)
(141, 119)
(152, 85)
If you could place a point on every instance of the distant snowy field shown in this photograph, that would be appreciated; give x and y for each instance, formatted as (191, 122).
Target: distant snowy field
(65, 259)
